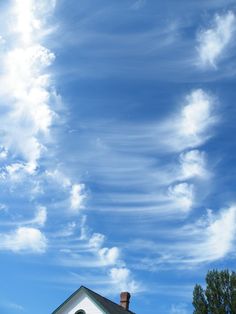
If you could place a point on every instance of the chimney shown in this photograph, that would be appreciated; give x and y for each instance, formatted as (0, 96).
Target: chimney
(124, 300)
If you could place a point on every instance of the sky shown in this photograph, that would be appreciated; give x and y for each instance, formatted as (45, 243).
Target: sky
(117, 150)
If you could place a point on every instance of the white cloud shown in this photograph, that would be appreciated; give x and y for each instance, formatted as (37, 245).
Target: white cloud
(76, 190)
(122, 280)
(84, 230)
(96, 240)
(193, 164)
(182, 194)
(26, 22)
(209, 239)
(3, 207)
(3, 153)
(24, 239)
(41, 216)
(77, 197)
(192, 125)
(67, 231)
(39, 219)
(196, 115)
(26, 89)
(2, 41)
(29, 113)
(30, 17)
(16, 171)
(217, 239)
(214, 41)
(58, 177)
(109, 256)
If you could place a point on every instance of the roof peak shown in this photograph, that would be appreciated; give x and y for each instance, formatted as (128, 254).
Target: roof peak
(106, 304)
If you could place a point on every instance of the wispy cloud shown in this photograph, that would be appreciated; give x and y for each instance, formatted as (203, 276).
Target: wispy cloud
(179, 309)
(182, 194)
(189, 125)
(41, 216)
(138, 4)
(163, 161)
(152, 170)
(213, 42)
(3, 207)
(75, 191)
(77, 197)
(215, 239)
(209, 239)
(90, 252)
(39, 219)
(12, 306)
(193, 164)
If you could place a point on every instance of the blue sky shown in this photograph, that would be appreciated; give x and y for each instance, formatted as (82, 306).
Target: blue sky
(117, 150)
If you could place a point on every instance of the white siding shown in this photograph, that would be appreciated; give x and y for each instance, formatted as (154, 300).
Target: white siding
(81, 302)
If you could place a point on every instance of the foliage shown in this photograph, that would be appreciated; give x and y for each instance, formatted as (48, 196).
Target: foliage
(219, 297)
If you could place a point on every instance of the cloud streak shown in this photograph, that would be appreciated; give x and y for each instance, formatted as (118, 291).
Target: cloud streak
(90, 252)
(210, 238)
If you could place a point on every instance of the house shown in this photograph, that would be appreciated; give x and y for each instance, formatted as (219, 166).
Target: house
(86, 301)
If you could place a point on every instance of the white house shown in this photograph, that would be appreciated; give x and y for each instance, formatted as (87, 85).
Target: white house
(86, 301)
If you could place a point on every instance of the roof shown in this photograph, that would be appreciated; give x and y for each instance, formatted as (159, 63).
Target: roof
(104, 303)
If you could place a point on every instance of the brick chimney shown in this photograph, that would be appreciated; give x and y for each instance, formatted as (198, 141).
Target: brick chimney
(124, 300)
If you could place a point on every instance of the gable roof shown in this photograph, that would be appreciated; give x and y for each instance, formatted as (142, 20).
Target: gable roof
(105, 304)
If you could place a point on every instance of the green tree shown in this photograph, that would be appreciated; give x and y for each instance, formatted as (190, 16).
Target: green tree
(199, 301)
(219, 297)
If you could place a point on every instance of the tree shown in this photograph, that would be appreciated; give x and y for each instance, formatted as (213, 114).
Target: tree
(199, 301)
(219, 297)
